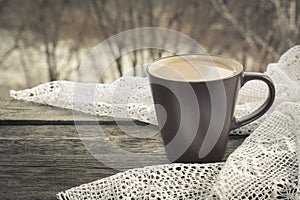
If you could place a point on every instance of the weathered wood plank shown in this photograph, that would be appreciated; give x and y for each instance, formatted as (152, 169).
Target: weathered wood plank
(42, 179)
(14, 110)
(39, 161)
(42, 152)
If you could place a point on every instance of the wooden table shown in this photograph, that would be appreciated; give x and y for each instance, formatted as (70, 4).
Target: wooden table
(42, 154)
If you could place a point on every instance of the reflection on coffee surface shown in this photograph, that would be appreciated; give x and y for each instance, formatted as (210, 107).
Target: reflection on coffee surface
(191, 69)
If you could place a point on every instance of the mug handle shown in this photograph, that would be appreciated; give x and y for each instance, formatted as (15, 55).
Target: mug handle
(248, 76)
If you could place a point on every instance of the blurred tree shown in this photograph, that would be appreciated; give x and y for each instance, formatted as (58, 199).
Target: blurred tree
(47, 40)
(269, 27)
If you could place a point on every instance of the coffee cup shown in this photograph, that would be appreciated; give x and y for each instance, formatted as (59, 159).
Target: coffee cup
(195, 96)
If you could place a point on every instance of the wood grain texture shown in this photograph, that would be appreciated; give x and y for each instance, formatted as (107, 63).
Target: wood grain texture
(38, 160)
(14, 110)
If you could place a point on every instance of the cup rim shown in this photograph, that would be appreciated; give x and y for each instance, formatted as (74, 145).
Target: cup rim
(211, 56)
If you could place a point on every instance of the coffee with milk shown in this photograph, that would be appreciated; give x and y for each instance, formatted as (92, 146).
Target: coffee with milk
(191, 70)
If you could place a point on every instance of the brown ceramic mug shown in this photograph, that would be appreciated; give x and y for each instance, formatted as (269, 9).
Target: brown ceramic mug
(195, 97)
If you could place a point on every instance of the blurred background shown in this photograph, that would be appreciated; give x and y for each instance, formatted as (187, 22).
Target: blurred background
(47, 40)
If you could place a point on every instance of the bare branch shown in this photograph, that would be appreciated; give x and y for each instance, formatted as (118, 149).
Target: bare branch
(24, 67)
(104, 29)
(251, 37)
(15, 45)
(78, 41)
(264, 52)
(283, 22)
(293, 16)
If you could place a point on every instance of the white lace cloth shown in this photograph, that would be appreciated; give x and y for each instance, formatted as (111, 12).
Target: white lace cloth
(265, 166)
